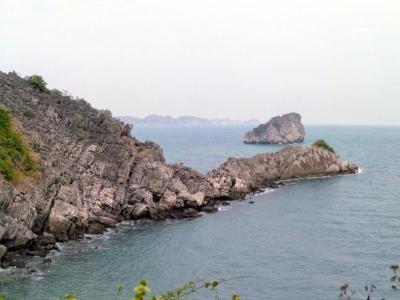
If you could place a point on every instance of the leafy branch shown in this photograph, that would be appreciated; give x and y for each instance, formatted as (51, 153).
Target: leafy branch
(143, 292)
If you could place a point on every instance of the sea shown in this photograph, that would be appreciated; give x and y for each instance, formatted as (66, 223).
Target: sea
(301, 241)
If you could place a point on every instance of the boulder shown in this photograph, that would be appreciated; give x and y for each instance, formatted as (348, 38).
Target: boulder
(46, 239)
(96, 228)
(192, 200)
(191, 213)
(3, 250)
(209, 208)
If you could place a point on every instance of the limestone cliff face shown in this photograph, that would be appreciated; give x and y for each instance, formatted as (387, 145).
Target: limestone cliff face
(93, 173)
(285, 129)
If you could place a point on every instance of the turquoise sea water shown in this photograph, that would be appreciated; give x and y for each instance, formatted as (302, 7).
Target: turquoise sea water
(298, 242)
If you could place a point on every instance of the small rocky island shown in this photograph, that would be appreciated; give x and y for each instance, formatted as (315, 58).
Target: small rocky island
(285, 129)
(89, 173)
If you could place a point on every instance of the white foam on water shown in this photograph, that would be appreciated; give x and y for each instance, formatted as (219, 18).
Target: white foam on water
(39, 275)
(267, 191)
(106, 235)
(224, 207)
(54, 253)
(128, 223)
(8, 271)
(262, 192)
(92, 236)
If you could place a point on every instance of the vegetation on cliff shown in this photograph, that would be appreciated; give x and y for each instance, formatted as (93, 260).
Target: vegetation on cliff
(37, 81)
(324, 145)
(15, 157)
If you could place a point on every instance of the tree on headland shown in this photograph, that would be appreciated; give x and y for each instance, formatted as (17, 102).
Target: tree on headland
(37, 81)
(324, 145)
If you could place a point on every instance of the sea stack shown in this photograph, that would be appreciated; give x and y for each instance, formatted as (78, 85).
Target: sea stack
(285, 129)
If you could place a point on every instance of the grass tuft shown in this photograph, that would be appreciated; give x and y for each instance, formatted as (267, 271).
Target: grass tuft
(16, 158)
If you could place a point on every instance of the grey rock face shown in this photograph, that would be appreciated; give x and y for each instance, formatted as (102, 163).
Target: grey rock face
(285, 129)
(239, 176)
(3, 250)
(90, 182)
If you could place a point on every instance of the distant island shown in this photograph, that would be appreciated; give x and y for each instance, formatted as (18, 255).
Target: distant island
(285, 129)
(157, 120)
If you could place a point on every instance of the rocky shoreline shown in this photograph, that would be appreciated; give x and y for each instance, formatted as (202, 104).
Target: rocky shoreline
(94, 174)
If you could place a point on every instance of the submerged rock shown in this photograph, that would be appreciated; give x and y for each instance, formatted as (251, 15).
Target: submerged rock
(47, 261)
(13, 259)
(209, 208)
(93, 174)
(285, 129)
(191, 213)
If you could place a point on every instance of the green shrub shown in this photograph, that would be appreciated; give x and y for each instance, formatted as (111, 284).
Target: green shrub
(55, 92)
(260, 130)
(324, 145)
(37, 82)
(15, 157)
(4, 208)
(29, 113)
(82, 134)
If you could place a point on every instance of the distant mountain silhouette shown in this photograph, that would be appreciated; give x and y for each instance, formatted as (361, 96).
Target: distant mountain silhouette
(156, 120)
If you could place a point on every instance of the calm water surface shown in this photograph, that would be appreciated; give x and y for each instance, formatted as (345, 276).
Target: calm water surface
(299, 242)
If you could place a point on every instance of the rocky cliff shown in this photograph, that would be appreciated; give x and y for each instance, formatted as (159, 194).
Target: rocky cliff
(285, 129)
(92, 174)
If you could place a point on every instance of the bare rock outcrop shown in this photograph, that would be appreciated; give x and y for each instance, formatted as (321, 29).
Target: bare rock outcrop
(93, 173)
(285, 129)
(239, 176)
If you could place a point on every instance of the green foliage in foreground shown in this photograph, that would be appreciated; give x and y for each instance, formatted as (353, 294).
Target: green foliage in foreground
(37, 81)
(324, 145)
(143, 292)
(15, 157)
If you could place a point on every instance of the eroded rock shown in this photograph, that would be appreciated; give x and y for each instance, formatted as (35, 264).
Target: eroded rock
(285, 129)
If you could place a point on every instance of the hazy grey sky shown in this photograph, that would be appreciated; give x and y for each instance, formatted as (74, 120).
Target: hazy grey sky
(334, 61)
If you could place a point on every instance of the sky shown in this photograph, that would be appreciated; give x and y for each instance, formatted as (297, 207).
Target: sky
(335, 62)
